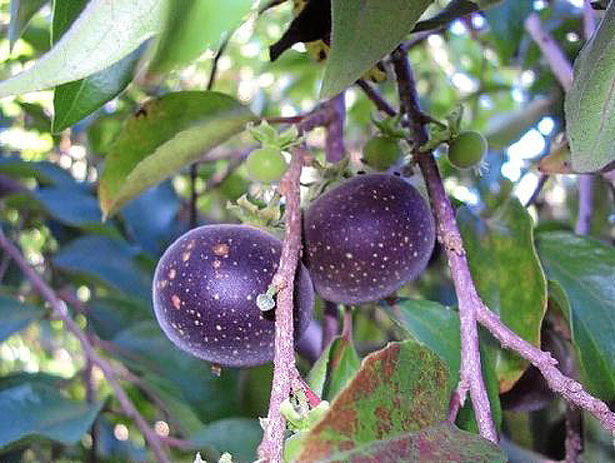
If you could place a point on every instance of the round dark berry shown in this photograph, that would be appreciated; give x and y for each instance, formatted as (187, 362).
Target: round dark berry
(205, 289)
(366, 238)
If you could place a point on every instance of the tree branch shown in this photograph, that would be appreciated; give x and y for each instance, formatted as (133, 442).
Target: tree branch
(551, 51)
(377, 98)
(471, 378)
(60, 312)
(271, 448)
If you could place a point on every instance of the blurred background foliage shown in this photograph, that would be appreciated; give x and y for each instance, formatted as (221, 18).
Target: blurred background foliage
(48, 205)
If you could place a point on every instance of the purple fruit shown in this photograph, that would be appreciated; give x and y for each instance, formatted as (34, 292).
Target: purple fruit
(366, 238)
(205, 290)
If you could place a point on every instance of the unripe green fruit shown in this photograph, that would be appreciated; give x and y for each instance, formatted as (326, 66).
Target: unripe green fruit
(467, 150)
(266, 165)
(381, 152)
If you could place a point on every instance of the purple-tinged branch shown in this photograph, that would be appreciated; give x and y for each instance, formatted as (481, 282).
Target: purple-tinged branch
(272, 445)
(471, 378)
(60, 312)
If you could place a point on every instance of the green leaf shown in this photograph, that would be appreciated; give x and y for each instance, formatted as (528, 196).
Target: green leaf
(16, 316)
(362, 35)
(584, 268)
(438, 328)
(144, 348)
(506, 23)
(39, 410)
(437, 444)
(102, 35)
(75, 100)
(106, 260)
(110, 315)
(221, 436)
(399, 389)
(590, 103)
(338, 363)
(21, 13)
(508, 276)
(192, 26)
(165, 135)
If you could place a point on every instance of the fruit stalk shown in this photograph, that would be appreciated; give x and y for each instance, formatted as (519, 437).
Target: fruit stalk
(271, 448)
(471, 378)
(60, 312)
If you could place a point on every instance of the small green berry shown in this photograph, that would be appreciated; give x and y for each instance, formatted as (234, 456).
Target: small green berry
(381, 152)
(266, 165)
(467, 150)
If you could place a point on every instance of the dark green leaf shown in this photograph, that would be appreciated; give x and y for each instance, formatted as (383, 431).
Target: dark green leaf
(152, 218)
(338, 363)
(146, 349)
(110, 315)
(44, 172)
(192, 26)
(361, 36)
(590, 103)
(108, 260)
(39, 410)
(222, 436)
(21, 13)
(584, 268)
(16, 316)
(508, 276)
(437, 444)
(506, 24)
(75, 100)
(165, 135)
(399, 389)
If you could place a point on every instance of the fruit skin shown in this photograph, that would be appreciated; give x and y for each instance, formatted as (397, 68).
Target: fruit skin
(266, 165)
(366, 238)
(381, 152)
(467, 150)
(205, 288)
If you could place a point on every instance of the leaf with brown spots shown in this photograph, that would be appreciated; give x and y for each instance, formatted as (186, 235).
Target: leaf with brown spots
(437, 444)
(399, 389)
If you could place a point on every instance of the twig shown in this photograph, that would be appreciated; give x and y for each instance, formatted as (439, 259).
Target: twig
(586, 199)
(377, 98)
(60, 312)
(471, 378)
(330, 323)
(567, 387)
(558, 62)
(194, 194)
(542, 180)
(334, 142)
(271, 448)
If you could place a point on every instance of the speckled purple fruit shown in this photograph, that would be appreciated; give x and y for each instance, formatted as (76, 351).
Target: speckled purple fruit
(366, 238)
(205, 289)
